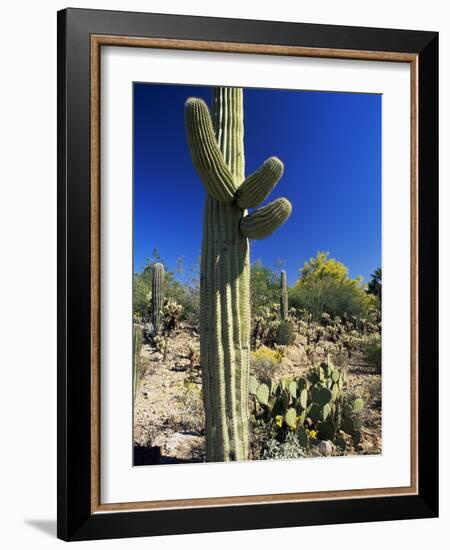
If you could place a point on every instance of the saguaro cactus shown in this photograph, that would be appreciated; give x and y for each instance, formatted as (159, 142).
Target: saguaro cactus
(284, 297)
(137, 345)
(157, 296)
(217, 150)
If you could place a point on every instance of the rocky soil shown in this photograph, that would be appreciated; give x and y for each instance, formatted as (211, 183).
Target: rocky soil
(168, 411)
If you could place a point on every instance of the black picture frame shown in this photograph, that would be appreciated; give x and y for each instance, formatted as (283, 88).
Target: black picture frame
(76, 521)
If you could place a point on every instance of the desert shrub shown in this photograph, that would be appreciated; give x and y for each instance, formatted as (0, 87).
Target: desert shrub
(193, 409)
(264, 362)
(374, 394)
(142, 289)
(330, 296)
(264, 326)
(325, 287)
(161, 345)
(261, 432)
(375, 284)
(193, 354)
(340, 336)
(285, 335)
(289, 448)
(171, 315)
(186, 294)
(372, 351)
(313, 333)
(264, 287)
(351, 341)
(264, 353)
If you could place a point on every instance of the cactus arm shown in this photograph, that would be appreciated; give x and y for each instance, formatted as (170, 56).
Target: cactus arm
(258, 185)
(206, 155)
(263, 222)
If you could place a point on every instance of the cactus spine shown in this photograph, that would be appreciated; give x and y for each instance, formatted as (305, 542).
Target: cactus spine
(157, 297)
(217, 151)
(284, 297)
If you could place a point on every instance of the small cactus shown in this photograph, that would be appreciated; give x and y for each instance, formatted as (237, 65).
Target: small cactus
(358, 405)
(161, 345)
(137, 345)
(284, 307)
(157, 297)
(193, 355)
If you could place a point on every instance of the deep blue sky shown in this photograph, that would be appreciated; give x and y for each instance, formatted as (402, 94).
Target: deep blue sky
(330, 144)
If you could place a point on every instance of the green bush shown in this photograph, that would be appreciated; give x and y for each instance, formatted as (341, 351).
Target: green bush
(264, 326)
(264, 287)
(285, 335)
(142, 291)
(264, 362)
(372, 351)
(329, 296)
(185, 294)
(325, 287)
(289, 448)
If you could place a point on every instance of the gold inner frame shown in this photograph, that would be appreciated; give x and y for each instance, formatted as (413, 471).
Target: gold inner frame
(97, 41)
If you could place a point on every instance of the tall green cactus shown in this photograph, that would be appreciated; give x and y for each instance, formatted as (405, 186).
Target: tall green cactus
(137, 345)
(284, 297)
(157, 296)
(217, 151)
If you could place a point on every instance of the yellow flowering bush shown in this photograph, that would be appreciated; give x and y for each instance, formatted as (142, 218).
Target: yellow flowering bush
(264, 362)
(267, 354)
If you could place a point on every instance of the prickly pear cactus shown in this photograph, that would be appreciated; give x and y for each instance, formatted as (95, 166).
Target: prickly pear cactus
(157, 297)
(284, 307)
(217, 151)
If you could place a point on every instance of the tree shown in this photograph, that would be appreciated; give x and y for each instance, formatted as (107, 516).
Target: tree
(184, 293)
(264, 287)
(325, 287)
(374, 286)
(142, 289)
(322, 268)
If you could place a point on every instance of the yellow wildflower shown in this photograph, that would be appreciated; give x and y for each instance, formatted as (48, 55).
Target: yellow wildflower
(279, 420)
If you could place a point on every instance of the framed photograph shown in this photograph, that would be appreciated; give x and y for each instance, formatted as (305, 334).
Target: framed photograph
(247, 251)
